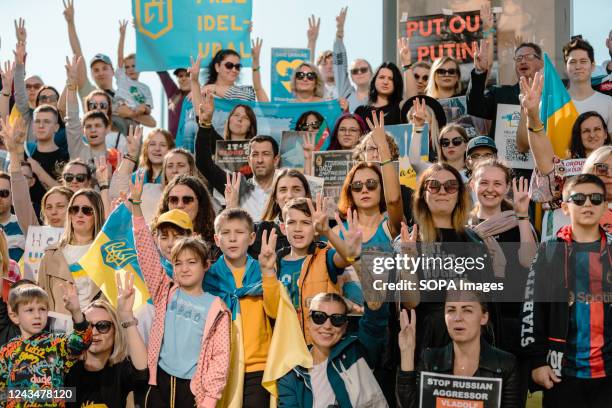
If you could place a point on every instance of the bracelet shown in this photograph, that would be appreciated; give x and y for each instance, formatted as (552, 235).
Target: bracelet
(406, 67)
(489, 31)
(386, 162)
(521, 218)
(7, 95)
(205, 123)
(129, 323)
(351, 260)
(541, 128)
(255, 69)
(104, 187)
(130, 158)
(135, 202)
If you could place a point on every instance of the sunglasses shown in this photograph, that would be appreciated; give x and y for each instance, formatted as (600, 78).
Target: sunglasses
(602, 169)
(174, 200)
(447, 72)
(336, 319)
(69, 177)
(423, 77)
(33, 86)
(5, 193)
(580, 199)
(310, 126)
(361, 70)
(456, 141)
(103, 326)
(526, 57)
(85, 209)
(311, 76)
(434, 186)
(231, 65)
(370, 184)
(47, 98)
(97, 105)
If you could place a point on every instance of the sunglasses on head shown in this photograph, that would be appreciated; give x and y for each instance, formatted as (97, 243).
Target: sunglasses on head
(336, 319)
(447, 72)
(361, 70)
(423, 77)
(97, 105)
(602, 169)
(580, 199)
(310, 126)
(5, 193)
(311, 76)
(103, 326)
(174, 200)
(370, 184)
(434, 186)
(68, 177)
(231, 65)
(456, 141)
(85, 209)
(47, 98)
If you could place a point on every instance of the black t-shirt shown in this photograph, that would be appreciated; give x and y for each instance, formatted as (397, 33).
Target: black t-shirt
(391, 112)
(52, 163)
(109, 386)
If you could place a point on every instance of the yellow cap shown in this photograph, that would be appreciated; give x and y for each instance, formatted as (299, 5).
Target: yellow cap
(175, 217)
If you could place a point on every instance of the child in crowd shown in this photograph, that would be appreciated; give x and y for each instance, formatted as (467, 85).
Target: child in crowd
(306, 267)
(39, 360)
(569, 343)
(252, 292)
(189, 347)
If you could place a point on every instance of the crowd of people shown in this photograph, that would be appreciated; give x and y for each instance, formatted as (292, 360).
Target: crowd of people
(238, 264)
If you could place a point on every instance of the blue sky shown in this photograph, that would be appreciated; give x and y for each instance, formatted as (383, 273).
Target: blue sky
(281, 23)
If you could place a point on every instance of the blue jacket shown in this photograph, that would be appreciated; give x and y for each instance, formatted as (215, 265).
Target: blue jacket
(294, 389)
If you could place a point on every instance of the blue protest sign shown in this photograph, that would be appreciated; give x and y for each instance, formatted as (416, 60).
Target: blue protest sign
(284, 62)
(168, 32)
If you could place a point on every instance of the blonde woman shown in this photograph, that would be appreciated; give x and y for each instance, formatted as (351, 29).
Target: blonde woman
(445, 79)
(307, 84)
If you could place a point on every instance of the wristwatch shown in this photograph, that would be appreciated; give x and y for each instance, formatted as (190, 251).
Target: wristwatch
(129, 323)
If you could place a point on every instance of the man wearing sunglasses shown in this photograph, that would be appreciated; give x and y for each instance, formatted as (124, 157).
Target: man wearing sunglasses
(568, 344)
(482, 102)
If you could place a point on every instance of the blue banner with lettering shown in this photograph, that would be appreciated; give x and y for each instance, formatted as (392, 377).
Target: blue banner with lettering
(274, 118)
(284, 62)
(168, 32)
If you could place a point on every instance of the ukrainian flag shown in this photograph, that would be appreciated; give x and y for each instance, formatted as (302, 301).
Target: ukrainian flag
(114, 251)
(557, 111)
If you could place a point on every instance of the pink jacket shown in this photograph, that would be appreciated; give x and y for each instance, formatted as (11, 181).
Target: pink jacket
(212, 369)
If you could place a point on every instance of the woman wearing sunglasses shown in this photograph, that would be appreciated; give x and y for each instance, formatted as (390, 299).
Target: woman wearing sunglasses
(445, 79)
(341, 375)
(589, 133)
(386, 92)
(116, 362)
(307, 84)
(223, 71)
(468, 354)
(375, 193)
(84, 220)
(188, 193)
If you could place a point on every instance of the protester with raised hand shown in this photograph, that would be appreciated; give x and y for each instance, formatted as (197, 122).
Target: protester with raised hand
(416, 74)
(360, 70)
(116, 362)
(386, 93)
(468, 355)
(312, 34)
(188, 357)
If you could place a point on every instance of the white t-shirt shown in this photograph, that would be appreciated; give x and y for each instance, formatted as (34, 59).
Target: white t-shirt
(133, 93)
(599, 103)
(322, 393)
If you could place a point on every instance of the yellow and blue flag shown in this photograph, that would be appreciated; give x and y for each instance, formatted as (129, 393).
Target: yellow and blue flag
(114, 251)
(557, 111)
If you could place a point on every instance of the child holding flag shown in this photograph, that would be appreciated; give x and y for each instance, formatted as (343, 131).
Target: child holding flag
(189, 347)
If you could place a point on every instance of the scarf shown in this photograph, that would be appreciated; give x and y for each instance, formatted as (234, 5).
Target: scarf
(493, 226)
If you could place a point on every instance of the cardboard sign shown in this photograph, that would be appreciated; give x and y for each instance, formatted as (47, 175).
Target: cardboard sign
(37, 241)
(443, 390)
(232, 156)
(284, 62)
(508, 117)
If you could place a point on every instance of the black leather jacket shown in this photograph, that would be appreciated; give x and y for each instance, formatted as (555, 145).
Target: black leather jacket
(494, 363)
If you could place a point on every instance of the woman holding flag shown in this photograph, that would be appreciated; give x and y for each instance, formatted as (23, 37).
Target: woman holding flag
(589, 133)
(59, 264)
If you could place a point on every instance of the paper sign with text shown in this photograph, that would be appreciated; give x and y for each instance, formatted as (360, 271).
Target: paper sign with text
(168, 32)
(37, 241)
(332, 166)
(232, 156)
(443, 390)
(508, 117)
